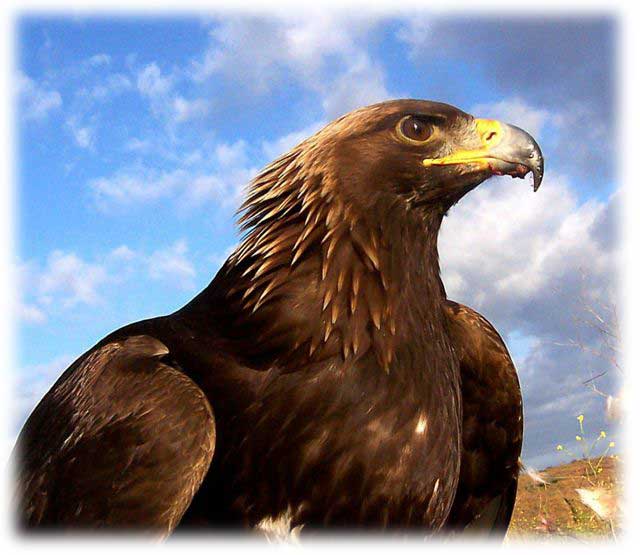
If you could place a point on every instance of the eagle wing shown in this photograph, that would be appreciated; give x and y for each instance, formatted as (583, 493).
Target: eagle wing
(492, 425)
(122, 440)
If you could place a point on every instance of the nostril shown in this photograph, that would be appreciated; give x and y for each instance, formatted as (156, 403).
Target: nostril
(490, 136)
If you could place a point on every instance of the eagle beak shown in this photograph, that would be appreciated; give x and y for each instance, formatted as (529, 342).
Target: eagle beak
(504, 150)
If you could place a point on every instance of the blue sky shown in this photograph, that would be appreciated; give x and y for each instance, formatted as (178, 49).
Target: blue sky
(136, 136)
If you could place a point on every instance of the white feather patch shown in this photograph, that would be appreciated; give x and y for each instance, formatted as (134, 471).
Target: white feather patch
(421, 427)
(278, 528)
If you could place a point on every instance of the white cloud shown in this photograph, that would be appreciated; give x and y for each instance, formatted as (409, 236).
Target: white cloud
(361, 84)
(99, 60)
(36, 101)
(123, 252)
(273, 149)
(31, 314)
(194, 157)
(85, 113)
(417, 33)
(137, 185)
(219, 258)
(224, 186)
(231, 155)
(532, 240)
(185, 110)
(322, 34)
(26, 311)
(137, 145)
(155, 86)
(176, 108)
(83, 135)
(70, 278)
(516, 112)
(246, 43)
(66, 281)
(171, 264)
(152, 83)
(114, 84)
(323, 53)
(266, 46)
(223, 183)
(32, 382)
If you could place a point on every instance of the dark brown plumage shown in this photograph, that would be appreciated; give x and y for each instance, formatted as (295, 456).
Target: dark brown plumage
(347, 391)
(111, 412)
(491, 427)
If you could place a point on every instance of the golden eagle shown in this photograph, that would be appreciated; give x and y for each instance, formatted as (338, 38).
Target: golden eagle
(322, 379)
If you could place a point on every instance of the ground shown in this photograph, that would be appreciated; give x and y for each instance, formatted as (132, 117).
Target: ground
(554, 510)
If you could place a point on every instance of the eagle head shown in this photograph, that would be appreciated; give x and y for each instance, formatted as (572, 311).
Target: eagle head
(428, 154)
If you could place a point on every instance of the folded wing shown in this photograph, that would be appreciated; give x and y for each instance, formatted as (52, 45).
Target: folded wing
(122, 440)
(492, 426)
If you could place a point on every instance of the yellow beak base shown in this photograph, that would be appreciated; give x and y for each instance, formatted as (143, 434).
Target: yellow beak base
(490, 132)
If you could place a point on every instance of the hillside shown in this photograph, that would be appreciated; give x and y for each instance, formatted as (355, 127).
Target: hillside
(554, 510)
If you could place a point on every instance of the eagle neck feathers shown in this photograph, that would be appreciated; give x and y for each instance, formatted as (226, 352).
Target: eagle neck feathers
(316, 260)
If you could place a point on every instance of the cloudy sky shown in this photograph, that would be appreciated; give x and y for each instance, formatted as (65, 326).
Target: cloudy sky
(136, 136)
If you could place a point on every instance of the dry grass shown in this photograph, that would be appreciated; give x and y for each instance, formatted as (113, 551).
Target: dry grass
(554, 510)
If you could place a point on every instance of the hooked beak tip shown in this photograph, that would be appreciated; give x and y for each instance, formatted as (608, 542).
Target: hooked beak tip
(523, 148)
(536, 166)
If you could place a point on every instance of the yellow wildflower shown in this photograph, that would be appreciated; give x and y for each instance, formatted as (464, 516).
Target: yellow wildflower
(578, 438)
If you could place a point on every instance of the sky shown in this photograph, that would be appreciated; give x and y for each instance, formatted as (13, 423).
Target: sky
(136, 136)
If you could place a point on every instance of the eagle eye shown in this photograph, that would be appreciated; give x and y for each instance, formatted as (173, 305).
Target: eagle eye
(414, 130)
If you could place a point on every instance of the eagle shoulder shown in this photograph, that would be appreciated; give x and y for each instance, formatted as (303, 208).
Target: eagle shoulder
(122, 440)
